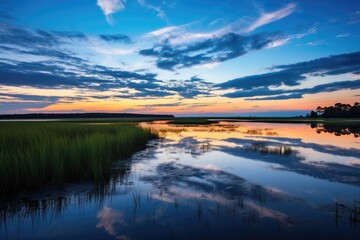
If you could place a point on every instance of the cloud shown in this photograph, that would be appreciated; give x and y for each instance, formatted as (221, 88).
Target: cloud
(161, 105)
(162, 31)
(176, 48)
(70, 35)
(332, 65)
(160, 12)
(293, 74)
(354, 17)
(110, 7)
(257, 87)
(214, 22)
(115, 38)
(343, 35)
(212, 50)
(279, 97)
(266, 18)
(295, 93)
(99, 79)
(109, 219)
(14, 35)
(190, 88)
(316, 43)
(45, 62)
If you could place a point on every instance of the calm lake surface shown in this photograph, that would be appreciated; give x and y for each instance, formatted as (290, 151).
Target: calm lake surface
(221, 181)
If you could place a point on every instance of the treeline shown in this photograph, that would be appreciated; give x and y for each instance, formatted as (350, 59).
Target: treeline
(81, 115)
(339, 110)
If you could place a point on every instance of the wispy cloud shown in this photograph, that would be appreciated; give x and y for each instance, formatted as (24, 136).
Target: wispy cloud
(214, 22)
(266, 18)
(354, 17)
(343, 35)
(110, 7)
(160, 12)
(163, 31)
(288, 38)
(315, 43)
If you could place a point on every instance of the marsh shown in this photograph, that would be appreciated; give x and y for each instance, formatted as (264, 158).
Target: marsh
(225, 180)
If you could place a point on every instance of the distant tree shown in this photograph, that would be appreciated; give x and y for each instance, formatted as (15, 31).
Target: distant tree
(339, 110)
(313, 114)
(320, 110)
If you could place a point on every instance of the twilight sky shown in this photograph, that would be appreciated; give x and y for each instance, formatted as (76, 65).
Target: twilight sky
(182, 57)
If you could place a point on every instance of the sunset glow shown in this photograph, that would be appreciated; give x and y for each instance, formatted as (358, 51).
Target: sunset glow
(187, 58)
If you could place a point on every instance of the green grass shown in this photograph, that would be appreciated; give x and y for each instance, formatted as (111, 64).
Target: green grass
(33, 154)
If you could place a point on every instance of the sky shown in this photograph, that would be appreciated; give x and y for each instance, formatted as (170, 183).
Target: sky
(181, 57)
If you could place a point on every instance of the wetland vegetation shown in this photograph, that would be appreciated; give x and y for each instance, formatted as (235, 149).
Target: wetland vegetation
(195, 178)
(33, 154)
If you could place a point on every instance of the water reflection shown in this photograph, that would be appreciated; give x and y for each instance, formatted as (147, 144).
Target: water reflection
(225, 180)
(337, 130)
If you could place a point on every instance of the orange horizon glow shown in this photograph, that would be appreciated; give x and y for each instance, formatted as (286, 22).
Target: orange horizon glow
(212, 105)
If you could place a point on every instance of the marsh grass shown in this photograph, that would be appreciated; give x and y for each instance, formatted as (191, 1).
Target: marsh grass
(350, 212)
(33, 154)
(275, 150)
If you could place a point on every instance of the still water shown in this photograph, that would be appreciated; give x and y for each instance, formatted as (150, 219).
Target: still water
(219, 181)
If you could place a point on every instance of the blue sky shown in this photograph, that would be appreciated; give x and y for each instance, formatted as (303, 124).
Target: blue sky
(180, 57)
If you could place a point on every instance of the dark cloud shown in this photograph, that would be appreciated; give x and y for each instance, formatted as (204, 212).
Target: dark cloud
(43, 74)
(332, 65)
(26, 38)
(17, 40)
(26, 97)
(295, 93)
(33, 74)
(115, 38)
(274, 79)
(216, 49)
(293, 74)
(99, 78)
(70, 35)
(61, 55)
(13, 35)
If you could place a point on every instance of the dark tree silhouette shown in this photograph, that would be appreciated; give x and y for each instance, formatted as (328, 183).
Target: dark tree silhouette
(339, 110)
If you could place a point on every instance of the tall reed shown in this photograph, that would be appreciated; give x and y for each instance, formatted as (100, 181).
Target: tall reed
(34, 154)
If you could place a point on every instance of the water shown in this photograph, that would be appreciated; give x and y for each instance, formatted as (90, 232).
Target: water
(223, 181)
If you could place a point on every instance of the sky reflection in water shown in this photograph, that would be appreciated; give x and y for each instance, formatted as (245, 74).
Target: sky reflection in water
(226, 180)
